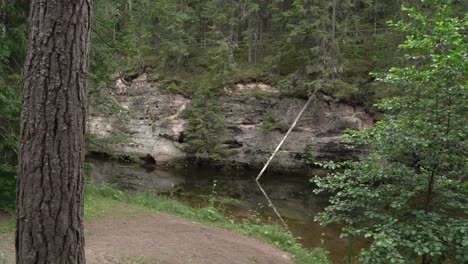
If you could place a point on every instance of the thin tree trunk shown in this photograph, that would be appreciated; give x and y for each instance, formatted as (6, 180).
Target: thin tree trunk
(202, 31)
(334, 21)
(250, 40)
(293, 125)
(375, 16)
(130, 9)
(50, 181)
(258, 36)
(2, 19)
(278, 147)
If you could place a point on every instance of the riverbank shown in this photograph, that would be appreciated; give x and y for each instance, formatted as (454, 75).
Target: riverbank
(106, 207)
(236, 195)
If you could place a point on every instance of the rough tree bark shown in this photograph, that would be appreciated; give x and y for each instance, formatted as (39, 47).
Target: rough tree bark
(50, 181)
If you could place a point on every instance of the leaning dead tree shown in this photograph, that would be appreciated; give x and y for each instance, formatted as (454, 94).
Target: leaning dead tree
(257, 180)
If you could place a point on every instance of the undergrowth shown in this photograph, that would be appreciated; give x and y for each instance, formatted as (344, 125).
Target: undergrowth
(7, 226)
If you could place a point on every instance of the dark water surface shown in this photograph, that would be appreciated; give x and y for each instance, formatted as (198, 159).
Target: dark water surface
(237, 194)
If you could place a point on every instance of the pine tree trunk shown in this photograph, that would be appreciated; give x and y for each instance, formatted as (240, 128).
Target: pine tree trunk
(250, 40)
(375, 16)
(2, 20)
(50, 181)
(334, 20)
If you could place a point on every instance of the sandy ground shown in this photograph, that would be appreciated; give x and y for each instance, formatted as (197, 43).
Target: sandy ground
(148, 238)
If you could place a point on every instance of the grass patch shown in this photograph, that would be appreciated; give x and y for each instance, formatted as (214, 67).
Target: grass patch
(107, 201)
(8, 225)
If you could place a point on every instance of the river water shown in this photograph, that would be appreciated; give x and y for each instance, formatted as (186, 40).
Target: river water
(237, 194)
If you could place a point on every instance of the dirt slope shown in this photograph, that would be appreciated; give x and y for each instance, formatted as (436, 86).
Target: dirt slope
(149, 238)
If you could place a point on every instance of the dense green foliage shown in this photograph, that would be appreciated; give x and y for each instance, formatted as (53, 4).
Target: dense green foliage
(409, 194)
(12, 50)
(302, 45)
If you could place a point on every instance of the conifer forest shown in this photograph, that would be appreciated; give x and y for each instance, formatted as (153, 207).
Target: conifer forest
(134, 131)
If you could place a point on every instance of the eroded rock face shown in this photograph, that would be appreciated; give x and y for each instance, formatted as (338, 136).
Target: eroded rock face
(155, 124)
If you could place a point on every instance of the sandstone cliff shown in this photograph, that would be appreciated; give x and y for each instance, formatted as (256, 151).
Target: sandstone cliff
(154, 124)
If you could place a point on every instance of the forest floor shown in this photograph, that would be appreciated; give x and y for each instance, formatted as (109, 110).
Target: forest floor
(136, 236)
